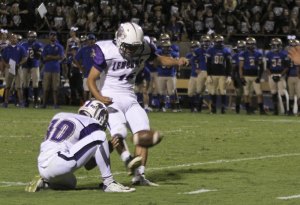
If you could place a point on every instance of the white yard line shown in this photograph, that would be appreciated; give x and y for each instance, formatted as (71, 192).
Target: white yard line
(16, 136)
(8, 184)
(276, 120)
(220, 161)
(200, 191)
(289, 197)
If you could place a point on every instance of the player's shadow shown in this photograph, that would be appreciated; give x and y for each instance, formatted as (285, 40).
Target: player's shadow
(173, 176)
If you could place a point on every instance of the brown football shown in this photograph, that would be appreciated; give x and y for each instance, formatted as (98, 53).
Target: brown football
(147, 138)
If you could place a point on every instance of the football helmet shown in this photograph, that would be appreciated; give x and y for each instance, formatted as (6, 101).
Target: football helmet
(83, 38)
(205, 41)
(293, 42)
(241, 45)
(166, 46)
(276, 44)
(195, 44)
(129, 39)
(31, 35)
(251, 43)
(97, 110)
(219, 41)
(165, 43)
(164, 37)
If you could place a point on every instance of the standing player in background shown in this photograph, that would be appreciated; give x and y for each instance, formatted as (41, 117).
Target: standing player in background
(153, 80)
(293, 80)
(4, 42)
(218, 71)
(205, 42)
(82, 143)
(84, 61)
(251, 70)
(76, 81)
(72, 41)
(277, 66)
(166, 78)
(118, 63)
(193, 81)
(31, 69)
(240, 47)
(164, 37)
(53, 54)
(14, 56)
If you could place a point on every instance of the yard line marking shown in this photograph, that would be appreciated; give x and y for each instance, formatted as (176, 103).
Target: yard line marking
(15, 136)
(278, 120)
(8, 184)
(200, 191)
(289, 197)
(220, 161)
(22, 121)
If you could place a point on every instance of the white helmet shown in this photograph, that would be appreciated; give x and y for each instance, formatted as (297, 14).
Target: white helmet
(97, 110)
(129, 39)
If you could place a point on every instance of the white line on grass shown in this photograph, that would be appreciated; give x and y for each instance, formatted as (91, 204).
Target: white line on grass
(200, 191)
(15, 136)
(220, 161)
(289, 197)
(277, 120)
(7, 184)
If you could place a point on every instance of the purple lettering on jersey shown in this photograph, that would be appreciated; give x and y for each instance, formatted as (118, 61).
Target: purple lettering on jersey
(60, 130)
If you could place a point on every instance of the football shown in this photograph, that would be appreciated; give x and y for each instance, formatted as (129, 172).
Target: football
(147, 138)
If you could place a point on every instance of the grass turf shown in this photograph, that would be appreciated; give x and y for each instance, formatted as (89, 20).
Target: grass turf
(238, 159)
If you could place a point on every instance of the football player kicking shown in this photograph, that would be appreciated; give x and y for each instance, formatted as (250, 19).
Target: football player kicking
(118, 63)
(71, 142)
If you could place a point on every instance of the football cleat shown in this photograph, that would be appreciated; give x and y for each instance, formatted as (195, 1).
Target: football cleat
(142, 181)
(117, 187)
(36, 184)
(132, 163)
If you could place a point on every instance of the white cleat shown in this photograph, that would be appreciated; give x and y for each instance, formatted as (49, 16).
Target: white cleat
(142, 181)
(117, 187)
(36, 184)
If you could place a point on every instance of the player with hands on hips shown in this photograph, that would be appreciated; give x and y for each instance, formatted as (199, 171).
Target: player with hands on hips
(117, 63)
(73, 141)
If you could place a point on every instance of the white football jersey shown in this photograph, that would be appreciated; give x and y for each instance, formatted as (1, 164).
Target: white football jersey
(65, 129)
(120, 74)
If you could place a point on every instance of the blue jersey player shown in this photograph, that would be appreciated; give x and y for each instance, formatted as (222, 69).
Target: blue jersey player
(277, 63)
(218, 71)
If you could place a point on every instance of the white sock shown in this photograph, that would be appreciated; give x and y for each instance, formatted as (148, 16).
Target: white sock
(108, 180)
(139, 171)
(125, 155)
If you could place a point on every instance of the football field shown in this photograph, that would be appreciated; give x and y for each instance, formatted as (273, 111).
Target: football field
(203, 159)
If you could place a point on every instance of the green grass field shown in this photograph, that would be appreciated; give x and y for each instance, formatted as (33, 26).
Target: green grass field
(204, 159)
